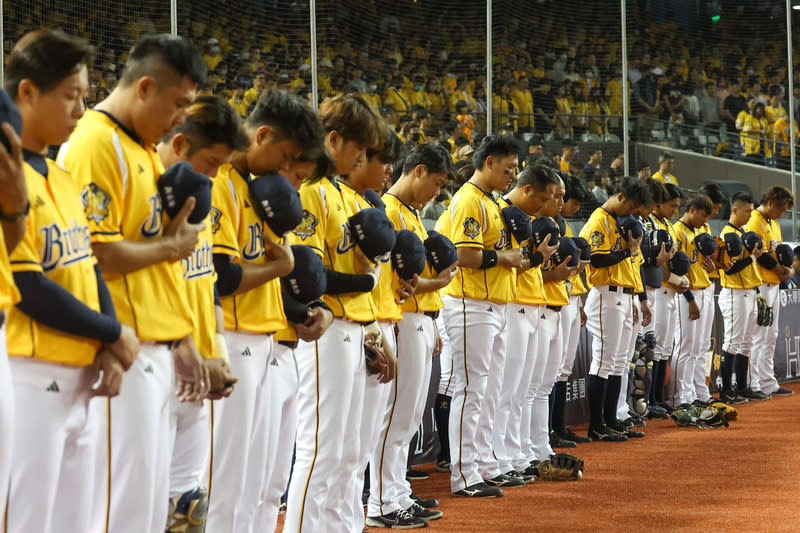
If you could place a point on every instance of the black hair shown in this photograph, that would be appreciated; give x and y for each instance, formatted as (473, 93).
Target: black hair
(657, 190)
(391, 150)
(665, 156)
(568, 143)
(643, 165)
(775, 90)
(634, 190)
(209, 121)
(742, 197)
(538, 176)
(290, 117)
(701, 202)
(779, 195)
(46, 57)
(672, 192)
(434, 156)
(576, 189)
(152, 53)
(715, 192)
(494, 145)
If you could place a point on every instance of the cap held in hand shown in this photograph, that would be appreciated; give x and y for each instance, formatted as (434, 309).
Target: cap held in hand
(373, 232)
(276, 202)
(519, 223)
(180, 182)
(408, 255)
(440, 250)
(307, 281)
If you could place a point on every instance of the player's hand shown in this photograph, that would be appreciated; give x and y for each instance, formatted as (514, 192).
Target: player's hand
(369, 268)
(546, 250)
(13, 187)
(583, 316)
(694, 311)
(664, 255)
(510, 258)
(406, 290)
(524, 265)
(647, 314)
(387, 360)
(438, 344)
(183, 235)
(126, 347)
(444, 277)
(106, 374)
(757, 251)
(786, 273)
(221, 378)
(280, 254)
(633, 244)
(708, 265)
(318, 321)
(191, 371)
(683, 286)
(581, 266)
(562, 271)
(635, 309)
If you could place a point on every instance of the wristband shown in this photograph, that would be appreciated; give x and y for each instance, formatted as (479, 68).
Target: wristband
(537, 259)
(16, 217)
(220, 349)
(489, 259)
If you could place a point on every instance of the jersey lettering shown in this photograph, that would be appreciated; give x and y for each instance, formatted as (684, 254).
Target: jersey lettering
(152, 225)
(63, 248)
(200, 263)
(502, 242)
(254, 247)
(216, 215)
(346, 243)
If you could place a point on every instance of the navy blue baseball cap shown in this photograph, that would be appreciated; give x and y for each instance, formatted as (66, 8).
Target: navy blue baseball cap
(374, 198)
(562, 225)
(679, 264)
(751, 240)
(566, 247)
(661, 236)
(177, 184)
(733, 244)
(519, 222)
(440, 250)
(784, 254)
(585, 248)
(276, 202)
(705, 244)
(629, 223)
(543, 228)
(408, 255)
(9, 112)
(307, 281)
(373, 232)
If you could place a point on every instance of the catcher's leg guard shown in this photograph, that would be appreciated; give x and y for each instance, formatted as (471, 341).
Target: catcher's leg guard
(441, 414)
(742, 365)
(188, 512)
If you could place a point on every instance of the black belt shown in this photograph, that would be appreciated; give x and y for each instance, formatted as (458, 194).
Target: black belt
(2, 318)
(625, 290)
(289, 344)
(433, 314)
(555, 308)
(168, 344)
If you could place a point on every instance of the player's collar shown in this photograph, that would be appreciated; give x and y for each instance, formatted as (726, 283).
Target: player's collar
(128, 131)
(734, 227)
(484, 192)
(765, 217)
(690, 228)
(334, 182)
(36, 161)
(410, 208)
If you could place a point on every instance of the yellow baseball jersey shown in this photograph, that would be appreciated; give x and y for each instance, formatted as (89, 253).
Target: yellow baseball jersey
(57, 244)
(326, 230)
(770, 232)
(9, 294)
(237, 232)
(117, 176)
(578, 287)
(604, 237)
(663, 223)
(199, 274)
(404, 216)
(288, 333)
(698, 277)
(383, 295)
(473, 220)
(636, 267)
(555, 292)
(669, 178)
(748, 278)
(530, 287)
(707, 229)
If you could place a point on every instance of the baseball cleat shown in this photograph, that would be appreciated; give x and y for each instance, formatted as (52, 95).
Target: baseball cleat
(558, 441)
(756, 395)
(783, 392)
(731, 398)
(504, 480)
(526, 478)
(416, 474)
(442, 466)
(606, 434)
(480, 490)
(400, 519)
(427, 503)
(426, 514)
(621, 428)
(574, 437)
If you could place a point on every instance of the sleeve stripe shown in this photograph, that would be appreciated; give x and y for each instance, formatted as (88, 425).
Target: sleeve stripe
(25, 263)
(105, 233)
(222, 246)
(233, 199)
(123, 167)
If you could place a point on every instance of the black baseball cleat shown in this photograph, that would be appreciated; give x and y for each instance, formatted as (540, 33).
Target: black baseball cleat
(401, 519)
(782, 391)
(504, 480)
(657, 412)
(731, 398)
(606, 434)
(531, 470)
(442, 466)
(574, 437)
(480, 490)
(526, 478)
(756, 395)
(557, 441)
(426, 514)
(416, 474)
(635, 421)
(427, 503)
(629, 432)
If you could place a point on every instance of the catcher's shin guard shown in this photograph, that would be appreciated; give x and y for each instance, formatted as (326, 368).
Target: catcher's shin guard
(187, 512)
(441, 414)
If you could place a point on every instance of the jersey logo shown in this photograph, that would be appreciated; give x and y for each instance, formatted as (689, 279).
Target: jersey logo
(254, 248)
(63, 247)
(693, 259)
(200, 263)
(307, 227)
(597, 239)
(502, 243)
(471, 227)
(95, 202)
(216, 215)
(346, 243)
(617, 245)
(151, 227)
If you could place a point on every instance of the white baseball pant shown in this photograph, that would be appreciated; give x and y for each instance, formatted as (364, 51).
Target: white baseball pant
(607, 313)
(238, 429)
(53, 458)
(546, 366)
(688, 365)
(707, 312)
(522, 324)
(762, 357)
(475, 330)
(332, 378)
(665, 316)
(571, 328)
(739, 313)
(445, 359)
(389, 489)
(633, 329)
(190, 428)
(6, 418)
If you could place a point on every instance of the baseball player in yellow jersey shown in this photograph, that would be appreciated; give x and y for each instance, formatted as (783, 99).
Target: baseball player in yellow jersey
(65, 316)
(425, 170)
(664, 174)
(688, 360)
(474, 315)
(14, 207)
(764, 221)
(535, 186)
(207, 139)
(610, 277)
(331, 370)
(737, 303)
(111, 156)
(572, 319)
(249, 258)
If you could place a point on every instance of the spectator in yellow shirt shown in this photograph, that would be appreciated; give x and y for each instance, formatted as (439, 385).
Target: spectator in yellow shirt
(782, 136)
(237, 100)
(464, 119)
(259, 84)
(523, 102)
(666, 161)
(568, 150)
(598, 112)
(418, 96)
(213, 54)
(462, 93)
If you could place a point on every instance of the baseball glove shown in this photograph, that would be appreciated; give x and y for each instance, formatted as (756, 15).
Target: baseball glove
(764, 312)
(560, 467)
(711, 416)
